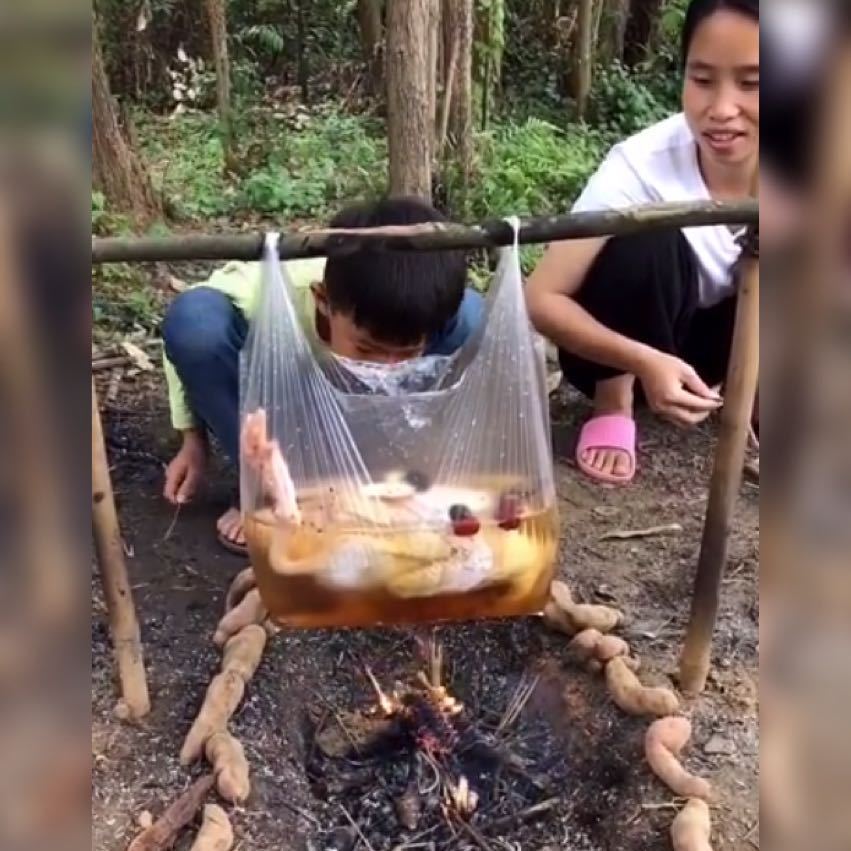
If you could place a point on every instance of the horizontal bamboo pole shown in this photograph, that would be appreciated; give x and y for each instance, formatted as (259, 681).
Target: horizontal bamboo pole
(423, 237)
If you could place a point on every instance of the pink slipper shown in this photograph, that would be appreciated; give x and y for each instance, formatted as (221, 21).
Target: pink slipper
(612, 431)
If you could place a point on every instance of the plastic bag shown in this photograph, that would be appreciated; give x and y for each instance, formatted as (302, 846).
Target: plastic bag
(421, 491)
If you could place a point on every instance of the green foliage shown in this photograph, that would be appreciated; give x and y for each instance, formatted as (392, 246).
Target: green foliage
(187, 163)
(98, 211)
(330, 159)
(488, 47)
(124, 301)
(122, 298)
(297, 165)
(261, 38)
(624, 102)
(531, 169)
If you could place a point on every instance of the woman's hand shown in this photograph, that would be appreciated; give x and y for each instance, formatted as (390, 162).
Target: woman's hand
(184, 473)
(675, 391)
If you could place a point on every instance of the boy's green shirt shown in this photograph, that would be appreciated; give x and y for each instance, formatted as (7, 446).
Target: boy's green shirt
(241, 283)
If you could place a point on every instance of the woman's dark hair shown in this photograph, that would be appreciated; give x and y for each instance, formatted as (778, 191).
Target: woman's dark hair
(699, 10)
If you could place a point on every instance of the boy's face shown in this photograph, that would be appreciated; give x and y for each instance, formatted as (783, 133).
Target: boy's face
(349, 340)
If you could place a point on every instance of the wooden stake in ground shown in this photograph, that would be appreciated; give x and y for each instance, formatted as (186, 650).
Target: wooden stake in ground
(739, 394)
(116, 586)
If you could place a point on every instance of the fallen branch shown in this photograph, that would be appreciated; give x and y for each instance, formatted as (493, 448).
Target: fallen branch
(629, 534)
(162, 833)
(110, 362)
(424, 237)
(505, 823)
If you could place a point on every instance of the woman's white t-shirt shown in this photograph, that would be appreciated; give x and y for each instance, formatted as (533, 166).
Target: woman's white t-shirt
(659, 165)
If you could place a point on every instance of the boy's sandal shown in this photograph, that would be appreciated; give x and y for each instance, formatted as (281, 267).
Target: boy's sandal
(232, 546)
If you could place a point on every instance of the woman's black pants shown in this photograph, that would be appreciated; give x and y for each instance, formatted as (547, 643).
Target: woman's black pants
(645, 286)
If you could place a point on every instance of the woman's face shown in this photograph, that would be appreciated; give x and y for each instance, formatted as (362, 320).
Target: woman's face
(721, 92)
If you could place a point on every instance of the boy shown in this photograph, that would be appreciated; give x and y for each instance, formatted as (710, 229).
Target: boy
(381, 307)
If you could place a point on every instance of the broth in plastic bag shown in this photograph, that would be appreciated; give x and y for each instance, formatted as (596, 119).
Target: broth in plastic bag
(416, 492)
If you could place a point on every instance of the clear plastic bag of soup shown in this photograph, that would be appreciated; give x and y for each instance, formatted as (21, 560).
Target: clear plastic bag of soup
(418, 492)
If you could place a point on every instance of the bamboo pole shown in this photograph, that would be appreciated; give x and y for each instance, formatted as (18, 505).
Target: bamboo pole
(739, 394)
(424, 237)
(116, 586)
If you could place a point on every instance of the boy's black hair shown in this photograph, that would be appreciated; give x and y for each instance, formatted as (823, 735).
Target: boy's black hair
(699, 10)
(399, 297)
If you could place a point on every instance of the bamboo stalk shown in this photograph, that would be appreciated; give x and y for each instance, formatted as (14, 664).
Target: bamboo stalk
(116, 586)
(739, 393)
(423, 237)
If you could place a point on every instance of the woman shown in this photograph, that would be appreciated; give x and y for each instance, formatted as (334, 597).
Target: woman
(659, 306)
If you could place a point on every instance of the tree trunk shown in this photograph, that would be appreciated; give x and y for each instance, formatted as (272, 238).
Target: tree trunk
(217, 20)
(409, 125)
(302, 69)
(372, 41)
(583, 57)
(550, 13)
(461, 109)
(488, 39)
(599, 12)
(640, 25)
(117, 171)
(449, 73)
(611, 45)
(433, 54)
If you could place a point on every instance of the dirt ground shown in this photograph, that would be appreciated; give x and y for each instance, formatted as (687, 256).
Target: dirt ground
(569, 732)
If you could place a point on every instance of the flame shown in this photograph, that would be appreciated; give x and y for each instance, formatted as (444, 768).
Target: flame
(462, 797)
(445, 701)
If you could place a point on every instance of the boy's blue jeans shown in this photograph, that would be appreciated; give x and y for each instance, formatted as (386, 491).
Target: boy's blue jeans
(203, 334)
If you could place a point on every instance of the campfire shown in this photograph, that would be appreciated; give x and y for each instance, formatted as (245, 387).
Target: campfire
(440, 766)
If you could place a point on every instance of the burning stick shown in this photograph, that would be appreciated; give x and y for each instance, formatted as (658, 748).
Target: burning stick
(444, 700)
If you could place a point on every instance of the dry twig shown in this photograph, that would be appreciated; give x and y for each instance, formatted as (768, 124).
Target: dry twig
(629, 534)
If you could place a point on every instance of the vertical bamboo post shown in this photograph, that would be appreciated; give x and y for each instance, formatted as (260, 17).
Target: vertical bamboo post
(113, 572)
(739, 394)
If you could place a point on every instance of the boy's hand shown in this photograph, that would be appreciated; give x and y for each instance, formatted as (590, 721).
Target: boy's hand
(675, 391)
(186, 469)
